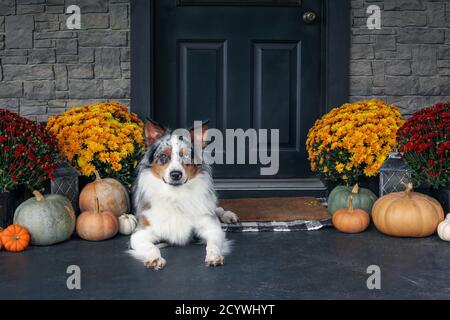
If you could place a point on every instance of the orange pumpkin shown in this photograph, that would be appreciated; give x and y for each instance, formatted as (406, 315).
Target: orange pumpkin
(15, 238)
(96, 225)
(407, 214)
(1, 243)
(350, 220)
(111, 194)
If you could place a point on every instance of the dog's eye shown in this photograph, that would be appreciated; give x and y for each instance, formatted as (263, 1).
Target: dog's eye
(163, 159)
(186, 159)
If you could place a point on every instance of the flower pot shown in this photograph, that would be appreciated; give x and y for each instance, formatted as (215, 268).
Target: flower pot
(426, 190)
(9, 201)
(370, 183)
(443, 196)
(7, 207)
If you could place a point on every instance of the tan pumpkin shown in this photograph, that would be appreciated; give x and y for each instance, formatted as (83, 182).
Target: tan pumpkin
(96, 225)
(407, 214)
(351, 220)
(111, 194)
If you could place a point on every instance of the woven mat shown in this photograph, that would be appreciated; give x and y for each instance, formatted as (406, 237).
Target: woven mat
(276, 214)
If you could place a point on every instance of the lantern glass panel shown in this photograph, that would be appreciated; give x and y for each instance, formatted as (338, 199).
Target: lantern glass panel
(393, 175)
(66, 183)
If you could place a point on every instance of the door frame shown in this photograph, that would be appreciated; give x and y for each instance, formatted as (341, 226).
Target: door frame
(335, 24)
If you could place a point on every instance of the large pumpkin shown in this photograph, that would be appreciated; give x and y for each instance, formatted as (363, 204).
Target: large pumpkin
(362, 198)
(111, 195)
(407, 214)
(95, 225)
(49, 219)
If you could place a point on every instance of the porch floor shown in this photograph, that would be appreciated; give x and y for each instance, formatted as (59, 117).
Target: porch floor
(324, 264)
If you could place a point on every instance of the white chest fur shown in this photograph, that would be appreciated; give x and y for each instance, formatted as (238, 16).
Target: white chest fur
(170, 223)
(177, 210)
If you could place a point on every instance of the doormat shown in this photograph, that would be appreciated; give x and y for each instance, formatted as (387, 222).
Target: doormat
(277, 214)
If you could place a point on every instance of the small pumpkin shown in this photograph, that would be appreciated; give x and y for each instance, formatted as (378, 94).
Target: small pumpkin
(127, 224)
(443, 229)
(1, 243)
(111, 194)
(49, 219)
(15, 238)
(95, 225)
(350, 219)
(362, 198)
(407, 214)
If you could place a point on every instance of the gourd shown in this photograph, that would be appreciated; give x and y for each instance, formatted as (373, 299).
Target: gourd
(49, 219)
(443, 229)
(15, 238)
(407, 214)
(351, 220)
(127, 224)
(362, 198)
(96, 225)
(111, 194)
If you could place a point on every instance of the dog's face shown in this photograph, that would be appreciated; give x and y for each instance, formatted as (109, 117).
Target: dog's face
(171, 155)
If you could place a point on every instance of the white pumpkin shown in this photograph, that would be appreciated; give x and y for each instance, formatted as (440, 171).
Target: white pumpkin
(127, 224)
(444, 229)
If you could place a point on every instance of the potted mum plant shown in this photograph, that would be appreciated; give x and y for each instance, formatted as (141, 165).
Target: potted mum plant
(103, 137)
(424, 140)
(28, 157)
(349, 144)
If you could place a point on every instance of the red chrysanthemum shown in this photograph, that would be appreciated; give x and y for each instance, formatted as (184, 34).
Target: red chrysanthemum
(28, 152)
(424, 140)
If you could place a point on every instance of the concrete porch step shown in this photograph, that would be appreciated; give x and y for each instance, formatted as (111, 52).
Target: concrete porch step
(242, 188)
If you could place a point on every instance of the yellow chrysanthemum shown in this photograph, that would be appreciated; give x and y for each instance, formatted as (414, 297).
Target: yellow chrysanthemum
(116, 166)
(105, 133)
(339, 167)
(354, 139)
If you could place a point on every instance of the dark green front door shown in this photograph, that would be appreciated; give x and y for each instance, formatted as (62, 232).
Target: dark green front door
(240, 64)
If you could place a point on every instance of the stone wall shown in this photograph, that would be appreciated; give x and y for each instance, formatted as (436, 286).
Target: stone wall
(407, 61)
(46, 68)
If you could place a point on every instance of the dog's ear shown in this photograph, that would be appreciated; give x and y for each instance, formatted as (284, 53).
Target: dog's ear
(153, 131)
(199, 133)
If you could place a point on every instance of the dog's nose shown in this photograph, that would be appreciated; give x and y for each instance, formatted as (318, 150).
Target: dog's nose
(176, 175)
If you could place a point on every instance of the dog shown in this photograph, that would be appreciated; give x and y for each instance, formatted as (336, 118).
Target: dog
(174, 198)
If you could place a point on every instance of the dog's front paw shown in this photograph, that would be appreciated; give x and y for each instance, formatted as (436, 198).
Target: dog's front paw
(229, 217)
(214, 260)
(157, 263)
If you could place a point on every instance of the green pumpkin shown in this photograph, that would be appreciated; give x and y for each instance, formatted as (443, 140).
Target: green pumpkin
(362, 198)
(49, 219)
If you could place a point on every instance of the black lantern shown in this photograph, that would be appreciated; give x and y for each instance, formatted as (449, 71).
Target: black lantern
(66, 183)
(393, 174)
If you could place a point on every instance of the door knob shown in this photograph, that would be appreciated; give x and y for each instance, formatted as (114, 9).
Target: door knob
(309, 17)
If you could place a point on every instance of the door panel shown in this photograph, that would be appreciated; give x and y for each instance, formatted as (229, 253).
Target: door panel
(202, 82)
(276, 82)
(278, 3)
(240, 66)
